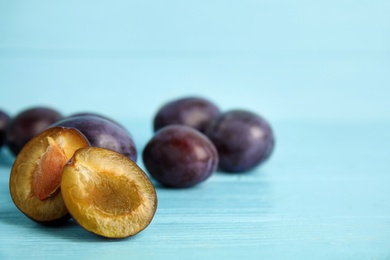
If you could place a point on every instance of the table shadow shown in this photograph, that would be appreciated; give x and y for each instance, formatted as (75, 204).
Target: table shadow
(69, 231)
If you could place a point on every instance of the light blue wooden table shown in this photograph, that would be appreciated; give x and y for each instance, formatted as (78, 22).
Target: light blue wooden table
(323, 195)
(319, 71)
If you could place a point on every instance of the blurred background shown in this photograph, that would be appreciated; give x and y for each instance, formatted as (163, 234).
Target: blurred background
(287, 60)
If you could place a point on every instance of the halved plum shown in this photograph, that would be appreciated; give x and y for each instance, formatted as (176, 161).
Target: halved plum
(107, 193)
(36, 174)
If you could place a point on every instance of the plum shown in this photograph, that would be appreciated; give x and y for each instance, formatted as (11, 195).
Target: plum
(107, 193)
(4, 119)
(87, 113)
(243, 140)
(36, 174)
(191, 111)
(179, 156)
(28, 124)
(103, 133)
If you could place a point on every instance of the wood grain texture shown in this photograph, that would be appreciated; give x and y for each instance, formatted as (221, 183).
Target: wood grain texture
(323, 195)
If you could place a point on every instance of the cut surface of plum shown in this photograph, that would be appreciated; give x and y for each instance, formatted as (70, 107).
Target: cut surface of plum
(36, 174)
(107, 193)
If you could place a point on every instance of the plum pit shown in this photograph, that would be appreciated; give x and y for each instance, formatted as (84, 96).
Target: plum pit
(48, 171)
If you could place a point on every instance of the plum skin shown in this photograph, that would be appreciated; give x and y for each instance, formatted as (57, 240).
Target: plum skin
(243, 140)
(27, 124)
(191, 111)
(4, 119)
(93, 114)
(179, 156)
(102, 132)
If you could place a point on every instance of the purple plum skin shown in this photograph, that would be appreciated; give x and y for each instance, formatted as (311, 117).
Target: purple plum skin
(243, 140)
(179, 156)
(104, 133)
(4, 119)
(195, 112)
(27, 124)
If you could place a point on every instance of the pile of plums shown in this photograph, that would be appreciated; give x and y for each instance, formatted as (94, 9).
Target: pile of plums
(193, 138)
(85, 165)
(81, 166)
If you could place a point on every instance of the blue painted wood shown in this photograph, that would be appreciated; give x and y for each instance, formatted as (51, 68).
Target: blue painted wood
(324, 194)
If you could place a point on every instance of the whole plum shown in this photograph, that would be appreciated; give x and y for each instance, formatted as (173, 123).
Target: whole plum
(243, 139)
(4, 119)
(36, 174)
(27, 124)
(179, 156)
(92, 114)
(103, 133)
(195, 112)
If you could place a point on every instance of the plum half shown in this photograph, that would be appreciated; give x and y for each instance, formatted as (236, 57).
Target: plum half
(36, 174)
(107, 193)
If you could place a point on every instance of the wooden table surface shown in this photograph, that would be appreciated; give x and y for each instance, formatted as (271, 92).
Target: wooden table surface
(324, 194)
